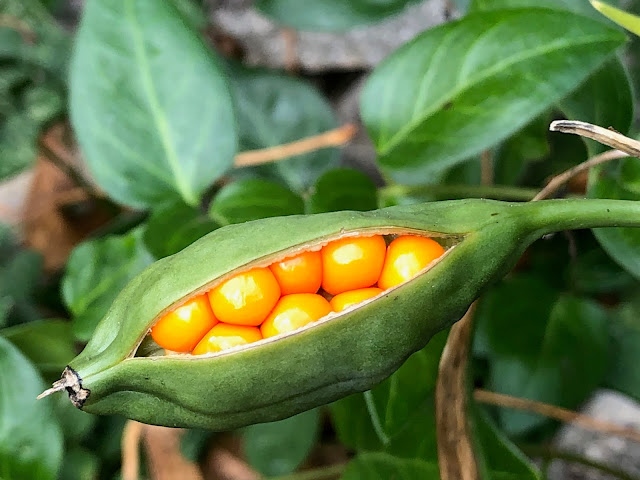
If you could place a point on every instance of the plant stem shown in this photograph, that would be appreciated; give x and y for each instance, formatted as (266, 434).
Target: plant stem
(496, 192)
(549, 453)
(323, 473)
(549, 216)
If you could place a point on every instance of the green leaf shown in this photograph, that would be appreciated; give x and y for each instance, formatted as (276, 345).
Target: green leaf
(622, 18)
(278, 448)
(604, 99)
(253, 198)
(149, 103)
(30, 437)
(174, 226)
(48, 344)
(397, 415)
(580, 7)
(96, 272)
(458, 89)
(557, 357)
(20, 276)
(80, 463)
(382, 466)
(273, 109)
(610, 181)
(331, 15)
(77, 425)
(624, 328)
(498, 456)
(343, 189)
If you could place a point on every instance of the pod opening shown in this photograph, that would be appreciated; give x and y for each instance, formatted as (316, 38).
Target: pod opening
(292, 291)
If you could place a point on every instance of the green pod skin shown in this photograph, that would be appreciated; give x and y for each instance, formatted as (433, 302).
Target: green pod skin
(327, 360)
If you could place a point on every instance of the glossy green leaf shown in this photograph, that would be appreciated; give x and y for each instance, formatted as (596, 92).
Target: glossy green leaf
(604, 99)
(331, 15)
(624, 328)
(498, 457)
(96, 272)
(554, 351)
(610, 181)
(174, 226)
(30, 437)
(77, 426)
(149, 103)
(382, 466)
(278, 448)
(581, 7)
(274, 109)
(460, 88)
(343, 189)
(397, 415)
(627, 20)
(253, 198)
(48, 344)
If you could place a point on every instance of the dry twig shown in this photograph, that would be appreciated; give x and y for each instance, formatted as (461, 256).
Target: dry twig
(605, 136)
(557, 413)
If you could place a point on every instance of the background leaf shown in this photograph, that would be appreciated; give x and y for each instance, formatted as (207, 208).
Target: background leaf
(331, 14)
(343, 189)
(175, 226)
(427, 112)
(622, 18)
(96, 272)
(278, 448)
(382, 466)
(149, 103)
(253, 198)
(624, 328)
(273, 109)
(30, 437)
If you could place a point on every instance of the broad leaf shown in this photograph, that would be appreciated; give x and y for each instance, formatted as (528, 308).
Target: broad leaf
(581, 7)
(253, 198)
(174, 226)
(274, 109)
(460, 88)
(149, 103)
(80, 463)
(96, 272)
(623, 374)
(552, 350)
(30, 437)
(48, 344)
(278, 448)
(343, 189)
(604, 99)
(382, 466)
(612, 181)
(627, 20)
(331, 15)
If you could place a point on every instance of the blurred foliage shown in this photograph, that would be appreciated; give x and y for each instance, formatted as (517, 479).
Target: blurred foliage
(159, 116)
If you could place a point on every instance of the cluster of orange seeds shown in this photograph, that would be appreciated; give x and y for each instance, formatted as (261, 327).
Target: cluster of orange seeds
(267, 301)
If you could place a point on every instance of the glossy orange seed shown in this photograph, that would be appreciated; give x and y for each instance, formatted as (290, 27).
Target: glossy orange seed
(406, 257)
(224, 336)
(346, 299)
(294, 311)
(351, 263)
(299, 274)
(182, 328)
(245, 299)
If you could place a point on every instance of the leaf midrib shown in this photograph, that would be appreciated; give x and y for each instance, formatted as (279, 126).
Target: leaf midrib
(495, 69)
(157, 113)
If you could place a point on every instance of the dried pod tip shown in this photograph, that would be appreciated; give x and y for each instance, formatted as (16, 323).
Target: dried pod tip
(70, 381)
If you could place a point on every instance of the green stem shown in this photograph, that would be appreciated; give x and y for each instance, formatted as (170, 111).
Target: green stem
(496, 192)
(549, 453)
(549, 216)
(323, 473)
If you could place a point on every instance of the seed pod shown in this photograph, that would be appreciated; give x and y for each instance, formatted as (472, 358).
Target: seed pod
(342, 353)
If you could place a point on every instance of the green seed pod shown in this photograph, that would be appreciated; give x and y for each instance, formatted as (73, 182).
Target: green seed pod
(339, 355)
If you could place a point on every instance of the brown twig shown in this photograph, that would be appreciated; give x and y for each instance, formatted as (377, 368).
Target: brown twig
(290, 37)
(456, 457)
(557, 413)
(556, 182)
(332, 138)
(605, 136)
(130, 444)
(165, 461)
(486, 168)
